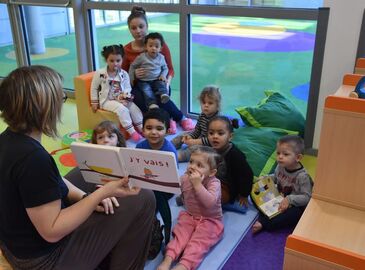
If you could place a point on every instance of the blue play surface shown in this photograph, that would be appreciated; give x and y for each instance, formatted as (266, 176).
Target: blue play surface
(235, 228)
(236, 225)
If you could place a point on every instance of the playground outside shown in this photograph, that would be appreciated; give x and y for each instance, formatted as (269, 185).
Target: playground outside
(244, 56)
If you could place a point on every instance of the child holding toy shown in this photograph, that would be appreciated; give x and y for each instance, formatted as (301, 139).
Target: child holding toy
(235, 173)
(200, 226)
(292, 181)
(210, 103)
(153, 82)
(155, 125)
(111, 91)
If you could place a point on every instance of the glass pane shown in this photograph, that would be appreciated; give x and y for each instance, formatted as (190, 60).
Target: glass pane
(141, 1)
(118, 33)
(41, 2)
(246, 56)
(263, 3)
(7, 54)
(51, 40)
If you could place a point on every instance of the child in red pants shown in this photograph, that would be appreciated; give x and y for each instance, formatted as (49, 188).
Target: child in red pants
(199, 227)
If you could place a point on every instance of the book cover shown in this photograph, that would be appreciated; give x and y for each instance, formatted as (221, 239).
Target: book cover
(149, 169)
(266, 196)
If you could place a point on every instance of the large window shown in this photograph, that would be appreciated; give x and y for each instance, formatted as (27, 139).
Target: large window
(7, 54)
(246, 56)
(50, 40)
(48, 36)
(243, 46)
(117, 32)
(263, 3)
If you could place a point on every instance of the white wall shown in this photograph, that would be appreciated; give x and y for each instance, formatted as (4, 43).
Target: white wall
(340, 51)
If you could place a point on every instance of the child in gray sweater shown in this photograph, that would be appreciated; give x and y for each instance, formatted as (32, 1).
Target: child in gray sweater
(153, 81)
(292, 181)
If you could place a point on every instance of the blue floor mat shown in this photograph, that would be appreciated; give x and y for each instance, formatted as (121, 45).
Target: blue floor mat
(236, 226)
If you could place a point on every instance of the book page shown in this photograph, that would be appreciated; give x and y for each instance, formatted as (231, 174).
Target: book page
(98, 164)
(152, 169)
(266, 196)
(148, 169)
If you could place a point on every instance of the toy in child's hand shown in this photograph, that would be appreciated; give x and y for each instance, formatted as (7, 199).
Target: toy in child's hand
(359, 91)
(126, 96)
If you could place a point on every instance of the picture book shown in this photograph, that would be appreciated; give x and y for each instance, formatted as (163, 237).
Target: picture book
(266, 196)
(148, 169)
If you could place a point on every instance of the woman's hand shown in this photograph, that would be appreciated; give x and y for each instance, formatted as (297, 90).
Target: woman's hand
(120, 188)
(283, 206)
(94, 107)
(140, 72)
(107, 205)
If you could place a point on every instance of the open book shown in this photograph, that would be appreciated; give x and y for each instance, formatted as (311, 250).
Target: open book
(266, 196)
(148, 169)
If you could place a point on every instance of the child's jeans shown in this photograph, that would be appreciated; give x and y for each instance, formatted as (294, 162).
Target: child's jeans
(235, 207)
(152, 90)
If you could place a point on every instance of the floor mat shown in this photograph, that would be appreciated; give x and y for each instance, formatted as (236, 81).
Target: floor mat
(235, 227)
(262, 251)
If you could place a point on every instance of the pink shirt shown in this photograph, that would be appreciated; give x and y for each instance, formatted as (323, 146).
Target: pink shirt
(204, 202)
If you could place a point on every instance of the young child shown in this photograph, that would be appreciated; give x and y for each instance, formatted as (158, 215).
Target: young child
(155, 125)
(210, 103)
(199, 227)
(292, 181)
(235, 173)
(107, 133)
(153, 83)
(110, 90)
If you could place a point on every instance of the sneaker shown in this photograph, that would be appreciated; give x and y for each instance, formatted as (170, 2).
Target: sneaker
(156, 240)
(153, 106)
(164, 98)
(172, 129)
(136, 137)
(187, 124)
(235, 207)
(179, 200)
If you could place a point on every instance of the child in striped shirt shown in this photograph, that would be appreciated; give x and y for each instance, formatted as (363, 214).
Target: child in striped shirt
(210, 103)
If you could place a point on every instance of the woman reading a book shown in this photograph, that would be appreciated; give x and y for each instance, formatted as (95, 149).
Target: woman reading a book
(45, 221)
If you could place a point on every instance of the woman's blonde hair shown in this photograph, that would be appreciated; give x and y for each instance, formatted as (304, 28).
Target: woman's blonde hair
(212, 92)
(31, 100)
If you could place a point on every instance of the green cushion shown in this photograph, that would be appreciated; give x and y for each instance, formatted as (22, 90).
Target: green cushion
(259, 146)
(273, 111)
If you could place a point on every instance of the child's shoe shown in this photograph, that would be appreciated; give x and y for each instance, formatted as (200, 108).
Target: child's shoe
(136, 137)
(172, 129)
(235, 207)
(153, 106)
(187, 124)
(164, 98)
(179, 200)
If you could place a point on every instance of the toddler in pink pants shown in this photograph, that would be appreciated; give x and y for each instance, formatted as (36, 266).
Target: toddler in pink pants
(199, 227)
